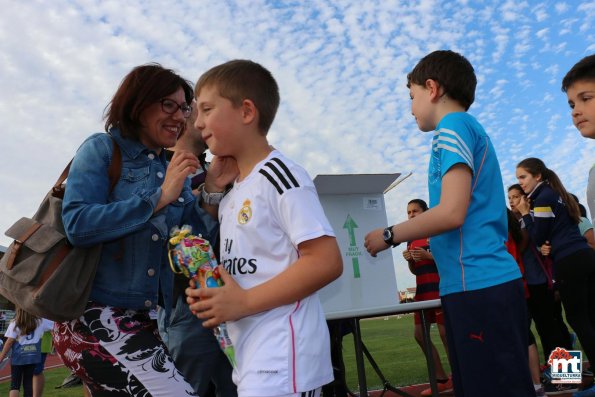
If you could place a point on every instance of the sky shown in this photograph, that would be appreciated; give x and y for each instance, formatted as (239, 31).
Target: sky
(341, 67)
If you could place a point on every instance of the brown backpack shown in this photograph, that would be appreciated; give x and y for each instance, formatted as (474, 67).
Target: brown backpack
(40, 271)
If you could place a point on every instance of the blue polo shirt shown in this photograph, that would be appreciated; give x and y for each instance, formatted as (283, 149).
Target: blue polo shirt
(473, 256)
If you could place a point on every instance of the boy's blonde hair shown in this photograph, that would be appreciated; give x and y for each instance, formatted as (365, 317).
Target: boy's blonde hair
(242, 79)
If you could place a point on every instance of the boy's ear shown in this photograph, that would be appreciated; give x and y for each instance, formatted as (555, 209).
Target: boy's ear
(434, 87)
(249, 111)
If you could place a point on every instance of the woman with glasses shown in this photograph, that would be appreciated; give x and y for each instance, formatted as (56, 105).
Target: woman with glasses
(114, 346)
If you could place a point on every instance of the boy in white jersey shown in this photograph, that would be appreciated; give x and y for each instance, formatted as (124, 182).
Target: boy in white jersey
(480, 283)
(277, 247)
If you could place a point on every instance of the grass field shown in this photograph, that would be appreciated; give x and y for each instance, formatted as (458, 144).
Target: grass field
(389, 340)
(53, 378)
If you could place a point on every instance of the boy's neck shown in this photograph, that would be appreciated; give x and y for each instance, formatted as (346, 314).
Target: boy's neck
(446, 106)
(252, 154)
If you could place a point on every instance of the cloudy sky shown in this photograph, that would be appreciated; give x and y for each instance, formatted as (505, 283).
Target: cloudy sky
(341, 67)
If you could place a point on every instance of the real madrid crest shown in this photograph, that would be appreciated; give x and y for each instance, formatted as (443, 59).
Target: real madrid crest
(245, 213)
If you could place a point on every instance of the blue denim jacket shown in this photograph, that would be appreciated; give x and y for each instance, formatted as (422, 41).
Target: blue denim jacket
(134, 269)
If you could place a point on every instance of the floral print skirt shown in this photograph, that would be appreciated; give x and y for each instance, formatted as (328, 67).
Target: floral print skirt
(118, 352)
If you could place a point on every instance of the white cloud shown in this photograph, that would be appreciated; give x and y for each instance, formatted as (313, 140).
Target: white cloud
(561, 7)
(341, 67)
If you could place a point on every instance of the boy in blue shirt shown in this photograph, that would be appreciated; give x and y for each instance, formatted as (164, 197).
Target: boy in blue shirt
(480, 283)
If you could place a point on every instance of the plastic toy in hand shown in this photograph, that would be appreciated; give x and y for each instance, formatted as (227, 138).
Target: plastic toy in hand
(193, 257)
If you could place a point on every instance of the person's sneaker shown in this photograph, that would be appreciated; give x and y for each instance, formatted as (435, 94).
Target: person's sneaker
(589, 392)
(554, 389)
(70, 381)
(442, 388)
(540, 392)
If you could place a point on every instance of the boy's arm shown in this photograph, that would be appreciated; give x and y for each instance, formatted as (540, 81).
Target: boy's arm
(449, 214)
(319, 263)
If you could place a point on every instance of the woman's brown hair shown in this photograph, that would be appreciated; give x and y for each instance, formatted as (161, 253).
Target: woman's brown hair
(142, 87)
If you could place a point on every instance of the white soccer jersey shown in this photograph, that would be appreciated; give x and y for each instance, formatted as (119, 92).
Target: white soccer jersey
(263, 219)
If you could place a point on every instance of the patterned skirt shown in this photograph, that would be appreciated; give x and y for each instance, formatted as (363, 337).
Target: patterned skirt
(118, 352)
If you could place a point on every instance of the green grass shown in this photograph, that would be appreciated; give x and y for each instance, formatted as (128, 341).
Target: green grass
(391, 343)
(389, 340)
(53, 378)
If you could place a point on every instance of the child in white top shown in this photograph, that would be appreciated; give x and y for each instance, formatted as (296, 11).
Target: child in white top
(24, 341)
(277, 247)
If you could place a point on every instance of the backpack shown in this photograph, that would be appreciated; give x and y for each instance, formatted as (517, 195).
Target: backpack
(41, 271)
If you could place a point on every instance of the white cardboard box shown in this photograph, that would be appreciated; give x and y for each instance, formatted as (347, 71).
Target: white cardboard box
(354, 205)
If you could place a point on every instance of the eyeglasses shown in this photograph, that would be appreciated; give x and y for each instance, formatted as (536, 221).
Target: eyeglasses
(170, 107)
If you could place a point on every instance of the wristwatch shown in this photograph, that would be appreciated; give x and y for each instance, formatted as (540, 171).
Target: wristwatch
(210, 198)
(388, 236)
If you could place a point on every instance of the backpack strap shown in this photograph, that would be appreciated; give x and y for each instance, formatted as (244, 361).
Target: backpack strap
(545, 263)
(115, 168)
(113, 172)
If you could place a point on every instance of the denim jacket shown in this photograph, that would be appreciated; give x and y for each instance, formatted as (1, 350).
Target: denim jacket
(133, 270)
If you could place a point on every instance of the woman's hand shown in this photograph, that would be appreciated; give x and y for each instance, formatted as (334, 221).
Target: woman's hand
(182, 165)
(524, 205)
(546, 248)
(216, 305)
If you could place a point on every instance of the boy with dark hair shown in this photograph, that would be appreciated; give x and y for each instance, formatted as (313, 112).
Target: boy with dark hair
(480, 283)
(277, 247)
(579, 86)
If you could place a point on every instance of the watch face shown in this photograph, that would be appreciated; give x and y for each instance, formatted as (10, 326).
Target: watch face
(387, 234)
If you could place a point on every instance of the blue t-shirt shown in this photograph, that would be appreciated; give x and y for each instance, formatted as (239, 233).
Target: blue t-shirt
(473, 256)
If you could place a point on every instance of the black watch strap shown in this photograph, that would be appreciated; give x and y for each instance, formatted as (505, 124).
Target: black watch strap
(389, 237)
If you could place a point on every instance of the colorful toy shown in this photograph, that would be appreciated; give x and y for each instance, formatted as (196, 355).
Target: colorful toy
(193, 257)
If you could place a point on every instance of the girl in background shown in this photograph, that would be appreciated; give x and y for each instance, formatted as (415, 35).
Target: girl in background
(543, 306)
(551, 215)
(422, 265)
(24, 341)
